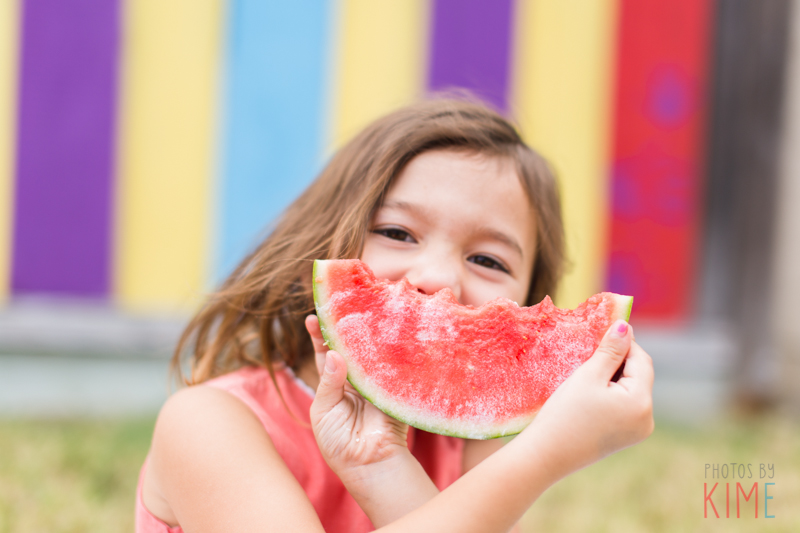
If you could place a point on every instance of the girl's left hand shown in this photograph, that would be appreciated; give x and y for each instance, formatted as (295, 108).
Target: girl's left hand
(364, 447)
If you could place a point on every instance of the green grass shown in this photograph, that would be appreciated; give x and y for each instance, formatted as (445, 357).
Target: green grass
(658, 485)
(70, 476)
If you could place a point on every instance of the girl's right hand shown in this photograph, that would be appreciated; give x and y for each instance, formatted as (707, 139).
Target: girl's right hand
(589, 416)
(350, 431)
(366, 448)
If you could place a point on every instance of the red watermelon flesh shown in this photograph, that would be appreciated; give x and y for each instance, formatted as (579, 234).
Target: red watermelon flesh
(472, 372)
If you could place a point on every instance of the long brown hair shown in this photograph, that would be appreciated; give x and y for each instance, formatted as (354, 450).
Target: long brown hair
(257, 316)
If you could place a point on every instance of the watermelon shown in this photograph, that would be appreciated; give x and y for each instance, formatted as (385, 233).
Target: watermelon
(471, 372)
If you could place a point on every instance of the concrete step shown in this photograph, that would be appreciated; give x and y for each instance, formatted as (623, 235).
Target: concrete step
(65, 386)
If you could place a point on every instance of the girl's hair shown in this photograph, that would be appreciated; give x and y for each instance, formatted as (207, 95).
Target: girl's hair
(257, 317)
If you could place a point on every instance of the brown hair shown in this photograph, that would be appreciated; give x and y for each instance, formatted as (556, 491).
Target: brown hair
(257, 316)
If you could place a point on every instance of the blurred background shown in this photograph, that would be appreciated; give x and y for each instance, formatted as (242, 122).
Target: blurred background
(145, 146)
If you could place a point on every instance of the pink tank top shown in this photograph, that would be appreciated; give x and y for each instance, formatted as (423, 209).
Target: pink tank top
(440, 456)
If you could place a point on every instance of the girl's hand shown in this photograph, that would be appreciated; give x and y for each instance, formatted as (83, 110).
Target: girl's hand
(364, 447)
(589, 416)
(350, 431)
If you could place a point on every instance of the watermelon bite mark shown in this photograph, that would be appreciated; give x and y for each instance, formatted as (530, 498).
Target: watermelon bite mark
(472, 372)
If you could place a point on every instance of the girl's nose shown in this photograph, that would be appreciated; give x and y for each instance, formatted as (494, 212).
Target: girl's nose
(433, 276)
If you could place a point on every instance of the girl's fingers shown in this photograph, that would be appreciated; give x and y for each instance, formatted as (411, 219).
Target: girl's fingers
(638, 369)
(611, 353)
(312, 326)
(318, 341)
(331, 384)
(351, 389)
(320, 350)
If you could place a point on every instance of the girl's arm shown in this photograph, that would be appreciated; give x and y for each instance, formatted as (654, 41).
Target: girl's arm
(587, 418)
(475, 451)
(218, 471)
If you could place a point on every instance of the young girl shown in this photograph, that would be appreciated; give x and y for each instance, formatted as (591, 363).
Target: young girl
(270, 437)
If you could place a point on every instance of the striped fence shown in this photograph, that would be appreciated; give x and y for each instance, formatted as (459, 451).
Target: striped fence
(146, 145)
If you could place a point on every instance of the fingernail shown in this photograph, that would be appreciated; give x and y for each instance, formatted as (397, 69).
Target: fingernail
(621, 328)
(330, 366)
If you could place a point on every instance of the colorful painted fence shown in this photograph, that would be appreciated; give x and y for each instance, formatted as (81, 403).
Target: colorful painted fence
(146, 146)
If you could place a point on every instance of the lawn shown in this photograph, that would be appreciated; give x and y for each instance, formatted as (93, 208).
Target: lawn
(70, 476)
(658, 485)
(75, 476)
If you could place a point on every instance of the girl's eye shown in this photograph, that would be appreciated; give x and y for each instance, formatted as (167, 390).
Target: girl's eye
(396, 234)
(488, 262)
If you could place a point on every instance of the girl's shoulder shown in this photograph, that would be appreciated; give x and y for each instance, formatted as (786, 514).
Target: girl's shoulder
(279, 402)
(229, 428)
(195, 428)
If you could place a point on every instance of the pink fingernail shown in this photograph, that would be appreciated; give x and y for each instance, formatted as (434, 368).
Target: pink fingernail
(622, 328)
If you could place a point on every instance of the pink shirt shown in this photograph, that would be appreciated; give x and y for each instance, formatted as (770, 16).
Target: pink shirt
(440, 456)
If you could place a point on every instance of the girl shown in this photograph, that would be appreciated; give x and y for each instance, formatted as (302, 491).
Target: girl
(270, 437)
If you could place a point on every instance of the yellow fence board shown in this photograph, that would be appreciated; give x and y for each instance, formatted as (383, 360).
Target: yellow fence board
(170, 77)
(379, 61)
(9, 52)
(564, 52)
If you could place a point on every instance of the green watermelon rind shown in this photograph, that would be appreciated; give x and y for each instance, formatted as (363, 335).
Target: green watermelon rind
(423, 421)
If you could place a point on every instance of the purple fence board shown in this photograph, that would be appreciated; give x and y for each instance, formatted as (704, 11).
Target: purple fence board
(471, 46)
(62, 227)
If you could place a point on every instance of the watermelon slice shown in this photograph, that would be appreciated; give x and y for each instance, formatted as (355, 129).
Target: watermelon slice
(448, 368)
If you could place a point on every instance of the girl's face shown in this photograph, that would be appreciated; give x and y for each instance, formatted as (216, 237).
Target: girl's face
(458, 220)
